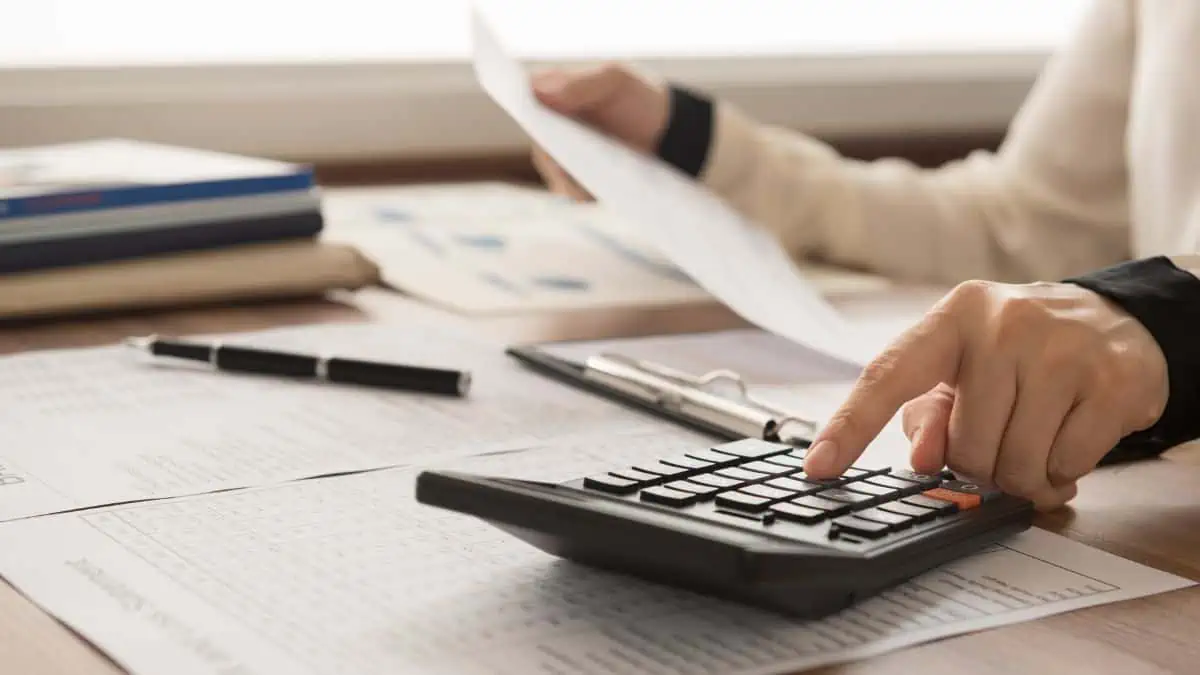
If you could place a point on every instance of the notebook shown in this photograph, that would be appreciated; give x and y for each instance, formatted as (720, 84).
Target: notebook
(117, 199)
(251, 272)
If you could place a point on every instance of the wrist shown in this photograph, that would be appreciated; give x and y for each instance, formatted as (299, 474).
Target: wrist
(1165, 302)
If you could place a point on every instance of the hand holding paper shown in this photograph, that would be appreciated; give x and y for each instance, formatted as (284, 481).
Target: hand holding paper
(738, 263)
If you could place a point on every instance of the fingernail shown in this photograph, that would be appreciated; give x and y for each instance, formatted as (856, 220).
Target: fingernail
(916, 437)
(820, 457)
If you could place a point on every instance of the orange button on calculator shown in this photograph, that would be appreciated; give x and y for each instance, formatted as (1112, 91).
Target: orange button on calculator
(964, 495)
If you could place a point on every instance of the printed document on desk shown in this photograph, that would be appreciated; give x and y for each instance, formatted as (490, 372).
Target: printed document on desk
(740, 264)
(500, 249)
(86, 427)
(349, 575)
(493, 248)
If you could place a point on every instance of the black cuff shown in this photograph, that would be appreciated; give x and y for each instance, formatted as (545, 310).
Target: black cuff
(686, 140)
(1166, 300)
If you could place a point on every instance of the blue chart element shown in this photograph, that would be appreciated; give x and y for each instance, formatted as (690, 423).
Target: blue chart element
(393, 216)
(628, 253)
(500, 282)
(563, 283)
(492, 242)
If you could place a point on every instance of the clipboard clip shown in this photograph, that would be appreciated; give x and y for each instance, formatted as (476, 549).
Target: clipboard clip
(739, 415)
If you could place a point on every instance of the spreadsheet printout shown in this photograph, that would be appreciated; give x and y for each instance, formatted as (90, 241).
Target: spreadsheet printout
(349, 575)
(89, 427)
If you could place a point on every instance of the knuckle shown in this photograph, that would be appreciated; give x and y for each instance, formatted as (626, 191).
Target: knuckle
(1018, 481)
(1017, 317)
(877, 370)
(967, 294)
(972, 288)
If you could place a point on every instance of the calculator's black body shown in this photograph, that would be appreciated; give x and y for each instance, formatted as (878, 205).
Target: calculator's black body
(783, 566)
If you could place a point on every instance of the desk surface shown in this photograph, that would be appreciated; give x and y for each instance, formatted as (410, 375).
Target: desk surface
(1146, 512)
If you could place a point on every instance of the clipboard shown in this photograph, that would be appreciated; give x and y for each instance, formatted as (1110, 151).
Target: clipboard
(689, 399)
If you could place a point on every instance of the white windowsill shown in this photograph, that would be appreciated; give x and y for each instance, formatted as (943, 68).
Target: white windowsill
(389, 79)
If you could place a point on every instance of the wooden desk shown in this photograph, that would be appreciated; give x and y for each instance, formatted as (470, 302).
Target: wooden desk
(1147, 512)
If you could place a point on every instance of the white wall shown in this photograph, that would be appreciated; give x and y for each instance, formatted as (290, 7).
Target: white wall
(351, 78)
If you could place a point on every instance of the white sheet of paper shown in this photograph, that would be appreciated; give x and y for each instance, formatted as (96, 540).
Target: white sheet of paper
(349, 575)
(740, 264)
(496, 249)
(96, 426)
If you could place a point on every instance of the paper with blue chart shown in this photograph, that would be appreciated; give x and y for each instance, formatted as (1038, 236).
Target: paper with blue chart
(495, 248)
(491, 249)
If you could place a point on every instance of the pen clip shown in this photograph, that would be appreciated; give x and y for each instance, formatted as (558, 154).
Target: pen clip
(663, 385)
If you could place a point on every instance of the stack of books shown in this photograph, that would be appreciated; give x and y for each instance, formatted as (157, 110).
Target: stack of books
(146, 221)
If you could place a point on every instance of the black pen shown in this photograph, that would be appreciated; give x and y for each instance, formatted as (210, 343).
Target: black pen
(329, 369)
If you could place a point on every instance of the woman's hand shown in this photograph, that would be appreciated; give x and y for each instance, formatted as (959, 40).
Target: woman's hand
(613, 99)
(1022, 387)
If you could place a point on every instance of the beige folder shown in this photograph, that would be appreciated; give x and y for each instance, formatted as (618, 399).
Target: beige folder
(252, 272)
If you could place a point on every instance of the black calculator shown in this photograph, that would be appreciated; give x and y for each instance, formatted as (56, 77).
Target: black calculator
(742, 521)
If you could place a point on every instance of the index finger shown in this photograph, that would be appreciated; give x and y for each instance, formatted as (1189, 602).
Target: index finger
(922, 357)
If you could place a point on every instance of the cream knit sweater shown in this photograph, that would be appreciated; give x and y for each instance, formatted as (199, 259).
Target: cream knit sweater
(1101, 164)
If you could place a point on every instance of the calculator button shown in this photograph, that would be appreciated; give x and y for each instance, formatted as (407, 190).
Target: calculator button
(662, 494)
(792, 459)
(896, 521)
(794, 485)
(868, 488)
(919, 514)
(752, 448)
(688, 462)
(923, 478)
(858, 526)
(612, 484)
(763, 518)
(846, 496)
(742, 501)
(985, 493)
(715, 481)
(963, 500)
(941, 506)
(664, 470)
(741, 474)
(903, 486)
(704, 491)
(857, 473)
(771, 493)
(641, 477)
(797, 513)
(768, 468)
(818, 502)
(714, 458)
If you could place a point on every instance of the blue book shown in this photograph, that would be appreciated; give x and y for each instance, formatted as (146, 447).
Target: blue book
(90, 248)
(118, 173)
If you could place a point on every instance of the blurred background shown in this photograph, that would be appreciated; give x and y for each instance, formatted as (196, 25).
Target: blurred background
(376, 90)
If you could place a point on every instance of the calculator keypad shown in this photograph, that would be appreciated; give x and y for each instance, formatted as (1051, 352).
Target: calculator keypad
(762, 483)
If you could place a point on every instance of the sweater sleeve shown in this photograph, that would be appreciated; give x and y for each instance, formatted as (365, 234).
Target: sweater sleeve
(1051, 202)
(1166, 299)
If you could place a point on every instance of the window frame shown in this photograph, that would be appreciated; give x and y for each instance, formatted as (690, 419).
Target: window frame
(321, 112)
